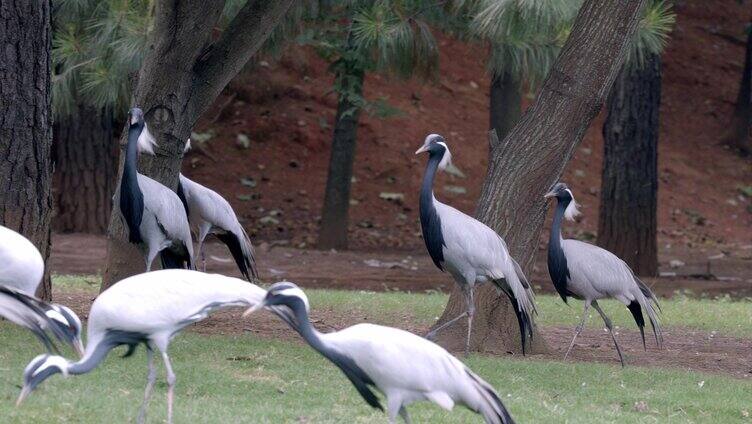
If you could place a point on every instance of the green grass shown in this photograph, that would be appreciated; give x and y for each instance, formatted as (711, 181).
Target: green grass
(245, 379)
(722, 315)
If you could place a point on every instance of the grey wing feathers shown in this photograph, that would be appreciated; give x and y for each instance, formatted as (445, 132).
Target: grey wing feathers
(168, 210)
(27, 312)
(492, 409)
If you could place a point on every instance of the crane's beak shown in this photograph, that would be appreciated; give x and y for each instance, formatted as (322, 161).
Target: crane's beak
(78, 346)
(421, 150)
(549, 195)
(24, 393)
(253, 309)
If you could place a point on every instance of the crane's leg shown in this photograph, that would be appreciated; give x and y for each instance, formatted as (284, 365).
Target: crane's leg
(150, 255)
(170, 385)
(579, 328)
(470, 299)
(610, 330)
(432, 334)
(202, 233)
(405, 416)
(151, 378)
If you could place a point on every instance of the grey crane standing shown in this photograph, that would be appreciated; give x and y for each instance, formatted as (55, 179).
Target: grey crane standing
(469, 250)
(209, 213)
(406, 368)
(167, 302)
(583, 271)
(153, 213)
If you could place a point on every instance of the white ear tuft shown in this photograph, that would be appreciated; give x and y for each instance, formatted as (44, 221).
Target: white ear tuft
(146, 141)
(446, 160)
(572, 209)
(187, 145)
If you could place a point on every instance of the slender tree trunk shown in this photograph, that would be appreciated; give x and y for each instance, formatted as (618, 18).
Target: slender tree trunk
(505, 104)
(184, 70)
(628, 222)
(25, 123)
(742, 120)
(334, 214)
(533, 156)
(85, 166)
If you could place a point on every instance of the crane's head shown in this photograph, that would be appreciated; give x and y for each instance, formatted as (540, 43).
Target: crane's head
(137, 128)
(436, 147)
(286, 300)
(39, 369)
(67, 326)
(564, 195)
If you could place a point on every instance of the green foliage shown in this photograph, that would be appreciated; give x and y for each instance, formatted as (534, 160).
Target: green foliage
(357, 37)
(652, 33)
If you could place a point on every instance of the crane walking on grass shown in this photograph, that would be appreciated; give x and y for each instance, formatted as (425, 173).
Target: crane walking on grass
(154, 214)
(404, 367)
(469, 250)
(583, 271)
(148, 309)
(209, 213)
(41, 318)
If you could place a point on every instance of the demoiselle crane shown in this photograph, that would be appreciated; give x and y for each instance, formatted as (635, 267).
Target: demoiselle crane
(209, 213)
(590, 273)
(154, 215)
(404, 367)
(21, 264)
(146, 309)
(469, 250)
(41, 318)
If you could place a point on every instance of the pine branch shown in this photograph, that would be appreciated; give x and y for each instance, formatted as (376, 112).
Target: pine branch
(242, 39)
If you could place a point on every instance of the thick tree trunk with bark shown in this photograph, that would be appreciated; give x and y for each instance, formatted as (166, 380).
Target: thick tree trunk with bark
(627, 223)
(741, 124)
(183, 72)
(25, 124)
(85, 165)
(505, 103)
(533, 156)
(334, 214)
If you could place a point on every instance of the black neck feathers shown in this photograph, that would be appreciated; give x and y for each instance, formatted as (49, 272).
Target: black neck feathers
(557, 262)
(430, 223)
(131, 197)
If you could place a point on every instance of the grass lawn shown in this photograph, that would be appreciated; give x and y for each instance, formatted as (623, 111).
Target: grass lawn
(247, 379)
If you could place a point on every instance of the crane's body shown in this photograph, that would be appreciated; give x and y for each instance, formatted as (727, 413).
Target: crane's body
(148, 309)
(590, 273)
(41, 318)
(209, 213)
(154, 215)
(469, 250)
(21, 264)
(404, 367)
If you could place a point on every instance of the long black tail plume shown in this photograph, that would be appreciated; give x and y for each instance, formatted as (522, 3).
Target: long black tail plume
(636, 311)
(523, 319)
(497, 408)
(174, 260)
(233, 244)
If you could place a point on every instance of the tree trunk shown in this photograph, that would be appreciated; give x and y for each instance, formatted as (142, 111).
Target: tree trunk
(505, 104)
(533, 156)
(25, 124)
(84, 177)
(742, 120)
(182, 74)
(627, 222)
(334, 214)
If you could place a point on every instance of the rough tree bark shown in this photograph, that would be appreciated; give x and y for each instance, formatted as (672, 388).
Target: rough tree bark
(505, 103)
(84, 177)
(627, 223)
(183, 72)
(532, 157)
(741, 123)
(25, 123)
(334, 214)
